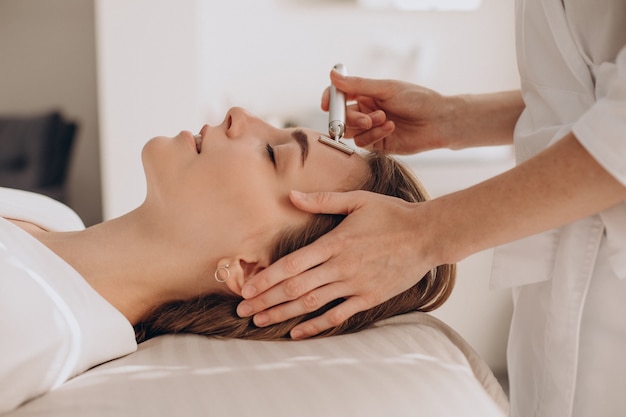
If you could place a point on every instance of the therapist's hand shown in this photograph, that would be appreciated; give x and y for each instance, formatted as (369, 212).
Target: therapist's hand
(365, 262)
(396, 116)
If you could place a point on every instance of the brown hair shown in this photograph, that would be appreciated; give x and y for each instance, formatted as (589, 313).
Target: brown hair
(215, 314)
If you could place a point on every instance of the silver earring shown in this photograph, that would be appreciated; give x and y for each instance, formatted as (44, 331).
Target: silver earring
(217, 273)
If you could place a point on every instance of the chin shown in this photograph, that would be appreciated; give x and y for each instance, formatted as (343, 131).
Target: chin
(156, 161)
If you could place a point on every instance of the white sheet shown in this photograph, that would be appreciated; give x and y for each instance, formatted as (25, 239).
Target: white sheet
(407, 365)
(53, 324)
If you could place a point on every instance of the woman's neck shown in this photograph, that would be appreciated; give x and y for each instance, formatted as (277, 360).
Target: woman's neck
(130, 262)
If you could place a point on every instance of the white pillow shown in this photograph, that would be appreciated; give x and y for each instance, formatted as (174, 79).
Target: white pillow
(405, 366)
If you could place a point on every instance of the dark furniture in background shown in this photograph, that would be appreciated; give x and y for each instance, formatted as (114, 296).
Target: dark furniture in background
(35, 153)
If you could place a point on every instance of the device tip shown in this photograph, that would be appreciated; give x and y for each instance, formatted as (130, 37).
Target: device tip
(336, 144)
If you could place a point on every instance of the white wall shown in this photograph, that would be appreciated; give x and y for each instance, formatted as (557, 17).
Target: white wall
(169, 65)
(147, 86)
(274, 56)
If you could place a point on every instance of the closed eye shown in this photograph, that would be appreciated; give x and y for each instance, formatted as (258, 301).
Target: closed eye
(270, 153)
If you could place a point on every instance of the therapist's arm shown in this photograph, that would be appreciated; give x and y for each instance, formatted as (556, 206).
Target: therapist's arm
(367, 262)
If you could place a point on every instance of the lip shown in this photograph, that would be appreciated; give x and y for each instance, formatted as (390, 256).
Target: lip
(190, 139)
(199, 138)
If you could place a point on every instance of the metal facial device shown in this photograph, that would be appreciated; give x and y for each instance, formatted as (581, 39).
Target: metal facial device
(337, 108)
(337, 117)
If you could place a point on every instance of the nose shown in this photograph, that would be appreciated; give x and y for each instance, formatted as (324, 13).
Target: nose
(238, 121)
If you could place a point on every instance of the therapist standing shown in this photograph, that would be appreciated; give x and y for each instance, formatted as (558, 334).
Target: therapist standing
(558, 219)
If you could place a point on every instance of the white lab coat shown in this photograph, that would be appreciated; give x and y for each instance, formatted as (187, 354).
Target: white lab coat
(567, 344)
(53, 325)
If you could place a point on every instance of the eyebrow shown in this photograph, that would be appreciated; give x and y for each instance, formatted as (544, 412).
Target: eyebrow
(303, 140)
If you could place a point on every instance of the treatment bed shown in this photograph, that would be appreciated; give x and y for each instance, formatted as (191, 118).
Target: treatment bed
(410, 365)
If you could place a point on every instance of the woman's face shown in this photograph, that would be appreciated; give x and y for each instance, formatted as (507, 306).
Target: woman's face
(235, 183)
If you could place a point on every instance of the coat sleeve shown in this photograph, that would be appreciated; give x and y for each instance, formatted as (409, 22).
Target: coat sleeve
(602, 129)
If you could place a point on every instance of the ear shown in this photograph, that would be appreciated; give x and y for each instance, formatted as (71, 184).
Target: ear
(241, 270)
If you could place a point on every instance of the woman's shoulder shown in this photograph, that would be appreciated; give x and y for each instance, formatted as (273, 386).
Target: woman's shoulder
(38, 209)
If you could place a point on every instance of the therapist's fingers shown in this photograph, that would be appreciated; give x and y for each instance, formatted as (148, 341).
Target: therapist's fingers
(286, 267)
(359, 88)
(328, 202)
(354, 86)
(298, 261)
(374, 139)
(359, 117)
(358, 123)
(332, 318)
(308, 302)
(309, 256)
(287, 289)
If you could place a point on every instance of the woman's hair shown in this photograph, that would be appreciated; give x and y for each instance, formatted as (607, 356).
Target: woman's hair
(215, 314)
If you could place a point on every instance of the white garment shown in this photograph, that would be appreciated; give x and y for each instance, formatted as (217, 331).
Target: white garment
(568, 335)
(53, 325)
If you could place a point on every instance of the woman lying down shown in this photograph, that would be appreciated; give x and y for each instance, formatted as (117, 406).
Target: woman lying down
(216, 212)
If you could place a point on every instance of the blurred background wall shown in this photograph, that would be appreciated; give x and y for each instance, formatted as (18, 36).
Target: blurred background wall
(47, 63)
